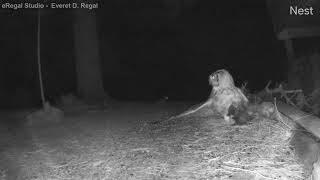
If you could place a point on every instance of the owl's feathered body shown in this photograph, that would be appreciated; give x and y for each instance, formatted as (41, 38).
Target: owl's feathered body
(223, 95)
(222, 101)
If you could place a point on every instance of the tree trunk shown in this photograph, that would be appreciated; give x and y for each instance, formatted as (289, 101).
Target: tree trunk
(315, 62)
(89, 76)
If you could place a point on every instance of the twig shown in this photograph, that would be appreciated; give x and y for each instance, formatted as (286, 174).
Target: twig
(141, 149)
(39, 60)
(303, 116)
(282, 92)
(244, 86)
(246, 170)
(268, 84)
(70, 164)
(278, 114)
(232, 153)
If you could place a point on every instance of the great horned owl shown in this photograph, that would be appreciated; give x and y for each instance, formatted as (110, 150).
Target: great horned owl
(224, 94)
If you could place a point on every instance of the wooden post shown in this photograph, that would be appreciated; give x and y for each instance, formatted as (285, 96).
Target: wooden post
(289, 49)
(315, 62)
(293, 78)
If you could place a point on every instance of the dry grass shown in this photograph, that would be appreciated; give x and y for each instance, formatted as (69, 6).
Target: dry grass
(189, 148)
(215, 150)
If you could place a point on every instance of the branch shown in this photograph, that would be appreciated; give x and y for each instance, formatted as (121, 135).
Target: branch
(284, 93)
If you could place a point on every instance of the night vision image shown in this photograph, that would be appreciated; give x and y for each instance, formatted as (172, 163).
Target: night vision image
(160, 90)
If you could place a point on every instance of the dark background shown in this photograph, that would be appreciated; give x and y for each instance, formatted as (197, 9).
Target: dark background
(148, 50)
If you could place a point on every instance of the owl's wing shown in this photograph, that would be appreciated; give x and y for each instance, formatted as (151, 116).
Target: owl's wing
(193, 109)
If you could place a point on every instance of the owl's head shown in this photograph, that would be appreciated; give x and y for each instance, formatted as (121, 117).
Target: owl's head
(221, 79)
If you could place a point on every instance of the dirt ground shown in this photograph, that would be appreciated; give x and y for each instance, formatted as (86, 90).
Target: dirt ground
(130, 141)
